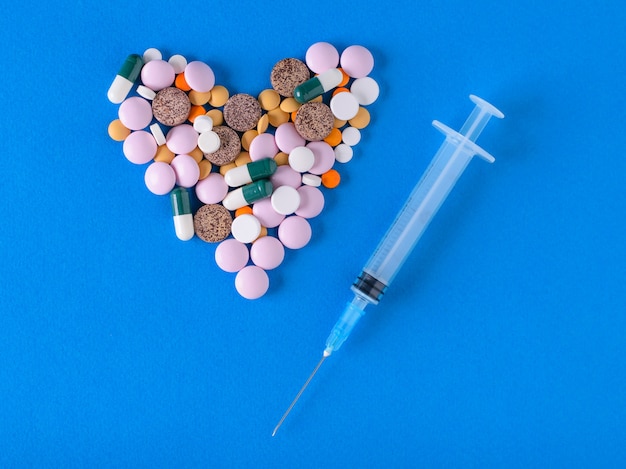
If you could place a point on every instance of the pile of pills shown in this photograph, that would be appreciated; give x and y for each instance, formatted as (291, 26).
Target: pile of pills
(256, 165)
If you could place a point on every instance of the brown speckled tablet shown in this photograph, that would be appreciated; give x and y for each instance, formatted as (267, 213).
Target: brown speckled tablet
(230, 146)
(171, 106)
(287, 74)
(242, 112)
(212, 223)
(314, 121)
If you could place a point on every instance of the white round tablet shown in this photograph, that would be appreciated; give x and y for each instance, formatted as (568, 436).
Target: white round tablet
(301, 159)
(178, 62)
(350, 136)
(344, 106)
(343, 153)
(152, 54)
(365, 90)
(309, 179)
(246, 228)
(209, 142)
(203, 123)
(285, 200)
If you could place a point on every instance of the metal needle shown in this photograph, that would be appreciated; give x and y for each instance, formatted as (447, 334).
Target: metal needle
(299, 394)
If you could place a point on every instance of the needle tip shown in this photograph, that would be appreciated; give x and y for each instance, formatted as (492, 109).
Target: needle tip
(325, 355)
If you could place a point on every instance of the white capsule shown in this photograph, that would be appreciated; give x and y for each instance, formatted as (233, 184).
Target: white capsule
(119, 89)
(330, 79)
(234, 200)
(125, 78)
(247, 194)
(183, 225)
(318, 85)
(181, 214)
(260, 169)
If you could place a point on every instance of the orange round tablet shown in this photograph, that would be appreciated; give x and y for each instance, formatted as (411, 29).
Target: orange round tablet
(117, 131)
(334, 137)
(331, 179)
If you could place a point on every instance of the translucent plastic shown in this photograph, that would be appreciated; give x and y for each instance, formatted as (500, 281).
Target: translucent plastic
(430, 192)
(423, 202)
(428, 195)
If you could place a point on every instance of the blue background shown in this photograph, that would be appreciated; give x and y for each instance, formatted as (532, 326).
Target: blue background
(501, 343)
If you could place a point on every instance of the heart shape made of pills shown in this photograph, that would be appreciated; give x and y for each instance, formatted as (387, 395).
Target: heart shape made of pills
(257, 165)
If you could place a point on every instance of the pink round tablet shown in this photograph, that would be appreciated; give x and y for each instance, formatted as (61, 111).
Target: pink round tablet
(212, 189)
(199, 76)
(287, 137)
(266, 214)
(285, 175)
(357, 61)
(231, 255)
(135, 113)
(267, 252)
(139, 147)
(322, 56)
(324, 157)
(294, 232)
(186, 169)
(160, 178)
(181, 139)
(157, 74)
(252, 282)
(311, 202)
(263, 146)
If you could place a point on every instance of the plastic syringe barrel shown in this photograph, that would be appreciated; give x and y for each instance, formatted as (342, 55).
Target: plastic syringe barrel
(425, 199)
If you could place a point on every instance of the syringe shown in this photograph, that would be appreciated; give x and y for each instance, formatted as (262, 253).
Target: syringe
(432, 189)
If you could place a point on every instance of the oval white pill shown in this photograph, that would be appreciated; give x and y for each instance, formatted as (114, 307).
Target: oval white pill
(203, 123)
(145, 92)
(344, 106)
(209, 142)
(309, 179)
(351, 136)
(343, 153)
(285, 200)
(301, 159)
(158, 134)
(365, 90)
(246, 228)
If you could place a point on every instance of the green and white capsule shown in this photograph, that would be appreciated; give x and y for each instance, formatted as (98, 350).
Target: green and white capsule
(318, 85)
(125, 78)
(248, 194)
(181, 212)
(250, 172)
